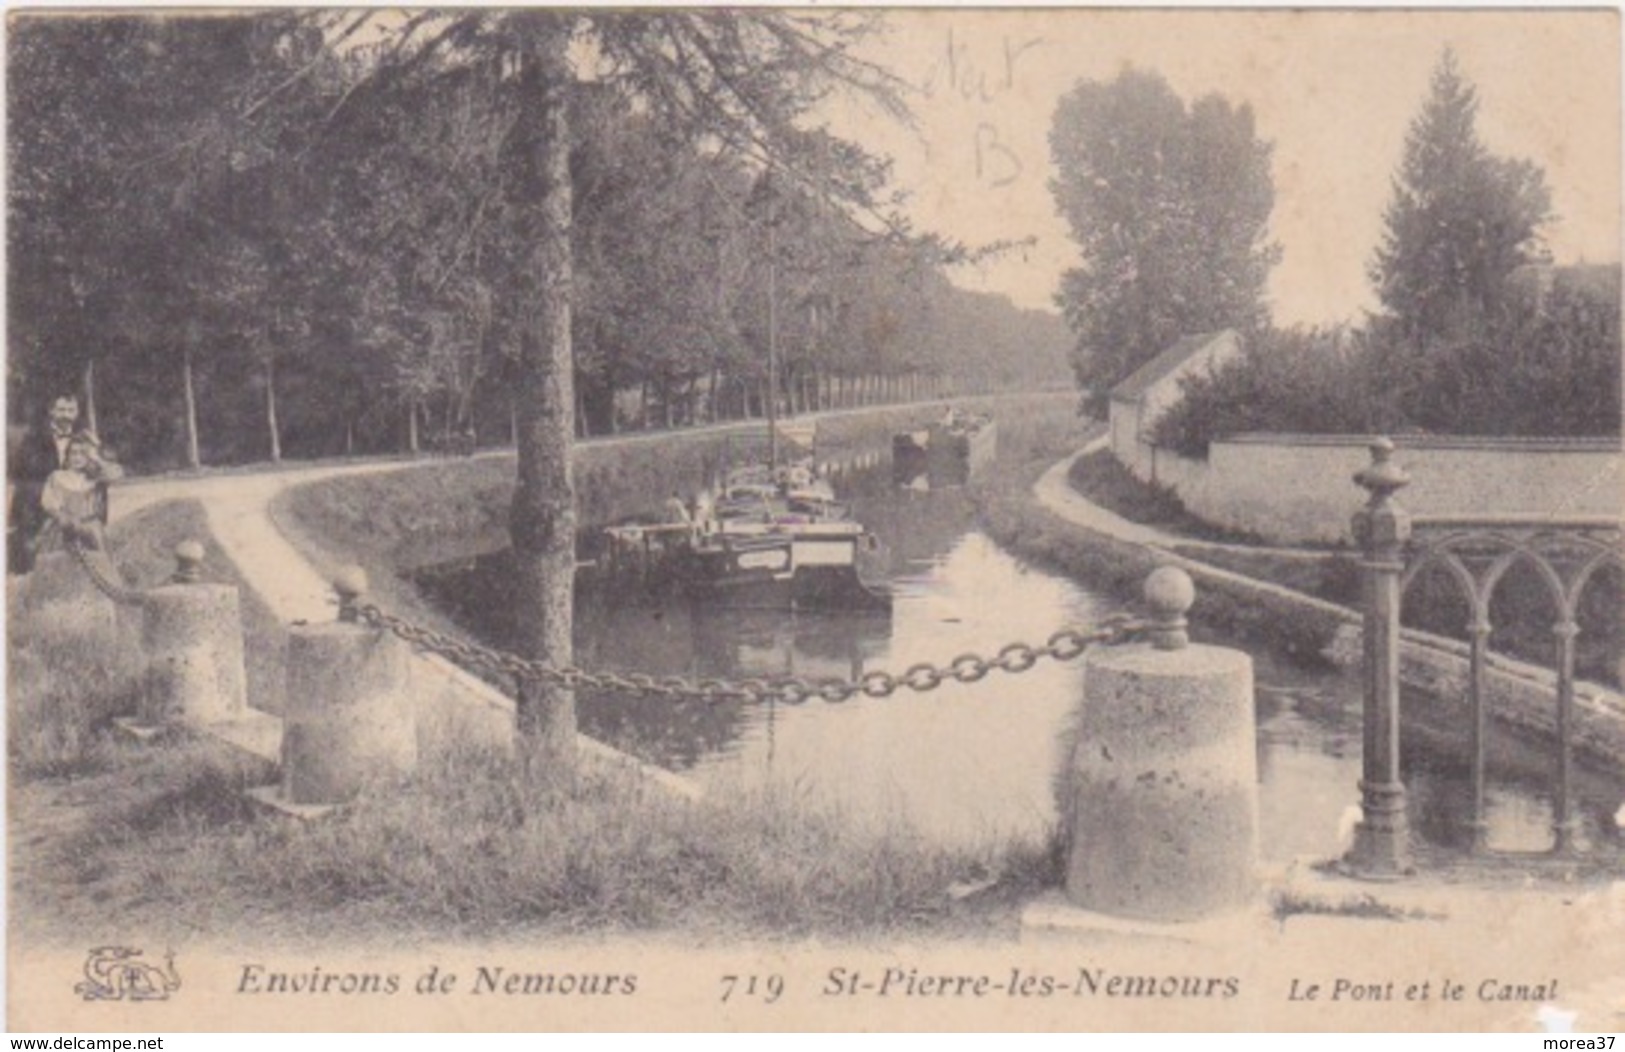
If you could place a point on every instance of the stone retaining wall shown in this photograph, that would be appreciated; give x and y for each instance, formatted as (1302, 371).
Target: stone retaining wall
(1291, 489)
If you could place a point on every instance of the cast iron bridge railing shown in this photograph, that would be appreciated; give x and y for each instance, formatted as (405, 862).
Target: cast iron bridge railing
(1477, 552)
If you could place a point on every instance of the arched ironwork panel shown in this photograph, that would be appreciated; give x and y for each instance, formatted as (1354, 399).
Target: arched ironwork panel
(1477, 552)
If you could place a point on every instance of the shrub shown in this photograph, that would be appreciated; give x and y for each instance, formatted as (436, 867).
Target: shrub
(1305, 381)
(1506, 372)
(1499, 373)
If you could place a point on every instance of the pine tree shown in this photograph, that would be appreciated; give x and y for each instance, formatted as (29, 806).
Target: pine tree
(1461, 219)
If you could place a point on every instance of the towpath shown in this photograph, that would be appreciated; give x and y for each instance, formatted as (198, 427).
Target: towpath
(238, 507)
(1055, 492)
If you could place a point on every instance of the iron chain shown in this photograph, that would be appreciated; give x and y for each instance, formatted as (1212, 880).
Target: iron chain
(1065, 645)
(101, 578)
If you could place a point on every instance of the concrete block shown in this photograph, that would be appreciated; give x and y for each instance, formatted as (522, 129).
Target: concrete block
(192, 635)
(1164, 791)
(349, 716)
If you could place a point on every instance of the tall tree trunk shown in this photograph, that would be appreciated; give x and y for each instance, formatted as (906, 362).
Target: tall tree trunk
(349, 437)
(412, 427)
(90, 397)
(193, 459)
(543, 516)
(270, 410)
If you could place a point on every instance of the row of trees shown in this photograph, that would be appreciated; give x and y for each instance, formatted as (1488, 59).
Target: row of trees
(266, 237)
(1477, 333)
(390, 203)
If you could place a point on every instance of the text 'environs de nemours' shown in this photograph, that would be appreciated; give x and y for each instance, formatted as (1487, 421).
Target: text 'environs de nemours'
(1018, 982)
(434, 980)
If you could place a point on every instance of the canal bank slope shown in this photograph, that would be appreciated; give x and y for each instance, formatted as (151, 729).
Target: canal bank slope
(1063, 528)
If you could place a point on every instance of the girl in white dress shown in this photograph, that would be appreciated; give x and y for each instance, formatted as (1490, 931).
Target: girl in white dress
(75, 496)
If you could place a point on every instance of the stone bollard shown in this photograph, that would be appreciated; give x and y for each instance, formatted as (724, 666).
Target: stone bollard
(348, 718)
(192, 634)
(1165, 774)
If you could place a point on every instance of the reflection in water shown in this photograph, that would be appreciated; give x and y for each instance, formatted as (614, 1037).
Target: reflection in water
(962, 761)
(976, 763)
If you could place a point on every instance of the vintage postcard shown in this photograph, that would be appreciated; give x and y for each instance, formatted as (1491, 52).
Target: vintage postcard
(582, 519)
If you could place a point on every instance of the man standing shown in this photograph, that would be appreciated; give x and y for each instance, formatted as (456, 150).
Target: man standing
(29, 465)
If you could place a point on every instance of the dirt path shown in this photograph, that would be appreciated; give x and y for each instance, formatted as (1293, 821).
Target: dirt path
(238, 508)
(238, 505)
(1055, 492)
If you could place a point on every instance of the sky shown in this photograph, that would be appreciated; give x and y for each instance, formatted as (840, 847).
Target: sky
(1334, 91)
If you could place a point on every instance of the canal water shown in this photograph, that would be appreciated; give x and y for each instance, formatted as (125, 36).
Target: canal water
(975, 765)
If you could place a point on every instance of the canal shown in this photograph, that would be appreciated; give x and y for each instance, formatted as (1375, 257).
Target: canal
(976, 764)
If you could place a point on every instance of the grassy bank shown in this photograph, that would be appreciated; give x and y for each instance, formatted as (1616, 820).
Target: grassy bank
(1102, 478)
(471, 847)
(72, 670)
(69, 673)
(1223, 609)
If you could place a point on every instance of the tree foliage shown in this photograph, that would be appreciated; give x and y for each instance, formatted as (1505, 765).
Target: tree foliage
(1168, 205)
(1478, 336)
(1460, 219)
(1553, 341)
(1304, 381)
(319, 226)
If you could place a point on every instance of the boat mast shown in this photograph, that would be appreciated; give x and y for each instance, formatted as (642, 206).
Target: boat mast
(772, 325)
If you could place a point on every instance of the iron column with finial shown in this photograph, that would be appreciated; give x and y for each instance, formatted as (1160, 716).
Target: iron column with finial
(1381, 848)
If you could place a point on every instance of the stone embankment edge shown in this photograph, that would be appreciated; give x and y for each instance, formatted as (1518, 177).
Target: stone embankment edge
(453, 707)
(1519, 694)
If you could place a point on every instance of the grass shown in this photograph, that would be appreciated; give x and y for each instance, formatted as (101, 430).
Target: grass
(71, 670)
(473, 847)
(1335, 577)
(69, 675)
(1102, 478)
(1223, 608)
